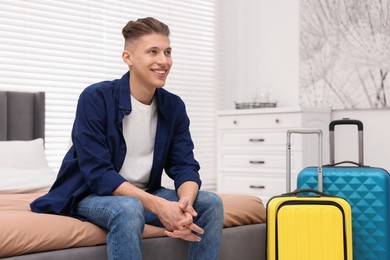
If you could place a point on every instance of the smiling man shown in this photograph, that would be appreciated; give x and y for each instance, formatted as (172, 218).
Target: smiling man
(126, 132)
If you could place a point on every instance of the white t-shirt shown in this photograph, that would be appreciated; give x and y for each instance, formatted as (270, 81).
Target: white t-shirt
(139, 131)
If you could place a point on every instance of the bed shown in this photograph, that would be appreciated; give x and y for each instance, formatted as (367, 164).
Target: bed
(25, 175)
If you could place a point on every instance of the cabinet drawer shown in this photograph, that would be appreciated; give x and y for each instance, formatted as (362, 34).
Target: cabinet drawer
(264, 121)
(253, 185)
(255, 139)
(231, 162)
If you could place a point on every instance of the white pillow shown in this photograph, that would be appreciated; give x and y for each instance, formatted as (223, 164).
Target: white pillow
(25, 154)
(26, 180)
(23, 167)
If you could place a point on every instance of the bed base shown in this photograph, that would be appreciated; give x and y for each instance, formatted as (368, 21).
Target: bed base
(242, 242)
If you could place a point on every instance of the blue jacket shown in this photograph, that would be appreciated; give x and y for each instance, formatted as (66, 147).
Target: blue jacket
(93, 162)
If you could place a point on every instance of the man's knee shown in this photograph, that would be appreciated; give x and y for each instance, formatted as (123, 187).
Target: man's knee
(126, 221)
(128, 209)
(209, 200)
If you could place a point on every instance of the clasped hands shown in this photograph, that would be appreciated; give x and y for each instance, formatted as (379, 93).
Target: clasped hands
(177, 217)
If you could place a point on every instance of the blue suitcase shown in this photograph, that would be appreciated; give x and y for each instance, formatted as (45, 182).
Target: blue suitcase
(367, 189)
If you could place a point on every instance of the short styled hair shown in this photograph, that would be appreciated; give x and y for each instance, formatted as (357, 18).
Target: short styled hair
(143, 26)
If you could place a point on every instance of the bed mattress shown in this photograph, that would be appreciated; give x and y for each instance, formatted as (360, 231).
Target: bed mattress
(25, 232)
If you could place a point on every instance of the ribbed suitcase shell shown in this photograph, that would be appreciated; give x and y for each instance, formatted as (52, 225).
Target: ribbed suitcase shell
(367, 189)
(308, 228)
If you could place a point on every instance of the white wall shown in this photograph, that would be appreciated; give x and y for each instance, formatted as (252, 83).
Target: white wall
(262, 50)
(376, 132)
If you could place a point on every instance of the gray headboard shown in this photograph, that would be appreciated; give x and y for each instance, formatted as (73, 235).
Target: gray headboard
(22, 115)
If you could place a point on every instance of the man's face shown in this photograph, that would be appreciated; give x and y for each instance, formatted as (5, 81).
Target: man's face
(150, 60)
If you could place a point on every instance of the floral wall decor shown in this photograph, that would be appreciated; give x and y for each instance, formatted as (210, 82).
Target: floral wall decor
(345, 54)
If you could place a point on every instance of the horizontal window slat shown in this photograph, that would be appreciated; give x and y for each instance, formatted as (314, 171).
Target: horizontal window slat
(68, 45)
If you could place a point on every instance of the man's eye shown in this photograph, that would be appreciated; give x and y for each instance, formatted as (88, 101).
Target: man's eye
(168, 53)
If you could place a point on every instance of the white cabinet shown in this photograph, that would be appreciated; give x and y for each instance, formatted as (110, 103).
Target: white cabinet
(251, 153)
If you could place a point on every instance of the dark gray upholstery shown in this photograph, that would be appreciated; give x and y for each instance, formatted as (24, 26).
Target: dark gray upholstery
(242, 242)
(22, 115)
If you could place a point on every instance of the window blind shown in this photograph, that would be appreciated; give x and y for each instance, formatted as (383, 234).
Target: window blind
(61, 47)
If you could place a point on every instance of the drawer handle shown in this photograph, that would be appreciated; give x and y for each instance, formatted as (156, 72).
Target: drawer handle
(256, 162)
(257, 186)
(256, 140)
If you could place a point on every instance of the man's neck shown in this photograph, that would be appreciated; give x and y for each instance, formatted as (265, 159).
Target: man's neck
(142, 94)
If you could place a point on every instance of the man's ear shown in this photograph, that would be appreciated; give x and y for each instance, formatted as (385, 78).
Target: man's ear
(127, 57)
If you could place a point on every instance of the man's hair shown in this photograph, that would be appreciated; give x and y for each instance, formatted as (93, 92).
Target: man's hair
(143, 26)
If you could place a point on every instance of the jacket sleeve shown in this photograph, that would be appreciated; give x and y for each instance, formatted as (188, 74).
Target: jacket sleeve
(89, 137)
(181, 165)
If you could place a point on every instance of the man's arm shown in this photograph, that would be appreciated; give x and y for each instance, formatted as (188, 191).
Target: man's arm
(149, 201)
(168, 212)
(187, 193)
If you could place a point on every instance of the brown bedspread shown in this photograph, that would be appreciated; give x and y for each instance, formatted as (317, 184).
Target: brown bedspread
(22, 231)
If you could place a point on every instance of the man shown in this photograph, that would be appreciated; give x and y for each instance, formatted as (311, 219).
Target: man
(126, 132)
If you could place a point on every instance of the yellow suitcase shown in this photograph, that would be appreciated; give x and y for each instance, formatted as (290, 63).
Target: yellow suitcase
(303, 227)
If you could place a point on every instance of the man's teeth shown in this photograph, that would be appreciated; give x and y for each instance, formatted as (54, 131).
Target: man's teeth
(160, 71)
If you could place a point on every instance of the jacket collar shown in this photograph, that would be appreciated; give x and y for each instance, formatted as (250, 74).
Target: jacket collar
(124, 94)
(123, 98)
(162, 105)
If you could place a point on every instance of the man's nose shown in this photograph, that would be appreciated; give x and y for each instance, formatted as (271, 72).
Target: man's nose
(162, 59)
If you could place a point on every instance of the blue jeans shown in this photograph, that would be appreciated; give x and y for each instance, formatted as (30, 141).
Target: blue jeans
(124, 218)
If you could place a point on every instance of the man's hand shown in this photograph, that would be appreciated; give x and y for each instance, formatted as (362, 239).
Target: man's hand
(186, 229)
(171, 215)
(177, 217)
(185, 205)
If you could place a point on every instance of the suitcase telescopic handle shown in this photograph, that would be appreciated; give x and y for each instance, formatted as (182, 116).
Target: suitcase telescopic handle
(345, 121)
(288, 156)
